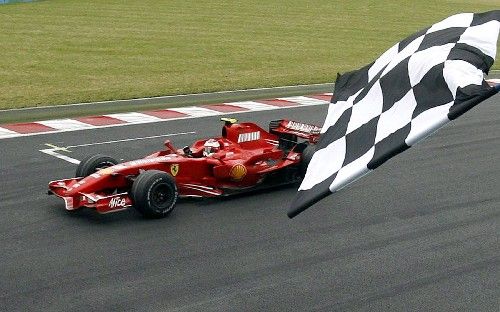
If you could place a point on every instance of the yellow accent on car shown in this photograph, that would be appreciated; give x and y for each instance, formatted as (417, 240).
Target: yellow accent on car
(238, 172)
(174, 169)
(229, 120)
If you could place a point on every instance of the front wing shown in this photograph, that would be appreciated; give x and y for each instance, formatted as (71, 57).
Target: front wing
(102, 204)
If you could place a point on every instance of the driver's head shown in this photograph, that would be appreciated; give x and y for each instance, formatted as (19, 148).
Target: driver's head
(211, 146)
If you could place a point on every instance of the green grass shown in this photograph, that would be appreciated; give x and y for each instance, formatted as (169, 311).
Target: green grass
(67, 51)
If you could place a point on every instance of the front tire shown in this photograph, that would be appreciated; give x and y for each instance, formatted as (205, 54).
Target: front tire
(154, 194)
(94, 163)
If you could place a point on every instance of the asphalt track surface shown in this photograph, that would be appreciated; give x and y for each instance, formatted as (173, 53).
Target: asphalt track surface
(418, 234)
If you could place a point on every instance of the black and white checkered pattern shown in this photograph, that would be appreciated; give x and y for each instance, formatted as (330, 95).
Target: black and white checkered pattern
(414, 88)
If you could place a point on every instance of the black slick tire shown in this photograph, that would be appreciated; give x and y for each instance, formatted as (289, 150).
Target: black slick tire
(94, 163)
(154, 194)
(307, 155)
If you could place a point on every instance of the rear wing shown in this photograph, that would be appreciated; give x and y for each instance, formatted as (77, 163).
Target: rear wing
(299, 129)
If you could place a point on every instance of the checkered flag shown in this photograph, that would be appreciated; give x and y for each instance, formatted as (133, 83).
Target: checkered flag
(413, 89)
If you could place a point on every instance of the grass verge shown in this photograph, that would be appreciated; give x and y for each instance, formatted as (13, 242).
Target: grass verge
(68, 51)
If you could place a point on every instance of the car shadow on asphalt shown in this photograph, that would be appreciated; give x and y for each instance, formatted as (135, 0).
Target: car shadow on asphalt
(234, 201)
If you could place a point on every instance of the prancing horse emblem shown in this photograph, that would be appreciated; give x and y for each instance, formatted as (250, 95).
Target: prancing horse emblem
(174, 169)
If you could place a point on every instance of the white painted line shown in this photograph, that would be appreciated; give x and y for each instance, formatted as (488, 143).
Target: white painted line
(303, 100)
(195, 111)
(52, 152)
(132, 139)
(134, 117)
(6, 133)
(7, 136)
(251, 105)
(65, 124)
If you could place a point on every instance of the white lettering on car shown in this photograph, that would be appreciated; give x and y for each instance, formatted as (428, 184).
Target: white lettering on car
(250, 136)
(298, 126)
(116, 202)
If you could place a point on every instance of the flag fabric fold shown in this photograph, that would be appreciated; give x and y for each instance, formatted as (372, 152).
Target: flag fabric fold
(410, 91)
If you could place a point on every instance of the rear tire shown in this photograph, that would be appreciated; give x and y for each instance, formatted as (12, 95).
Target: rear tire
(307, 155)
(154, 194)
(94, 163)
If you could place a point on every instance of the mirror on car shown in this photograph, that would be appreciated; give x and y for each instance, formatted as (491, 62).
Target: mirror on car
(169, 146)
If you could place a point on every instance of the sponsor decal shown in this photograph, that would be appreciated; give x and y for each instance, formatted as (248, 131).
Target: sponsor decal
(117, 202)
(174, 169)
(250, 136)
(238, 172)
(302, 127)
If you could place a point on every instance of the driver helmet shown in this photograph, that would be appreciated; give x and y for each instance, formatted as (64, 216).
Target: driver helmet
(211, 146)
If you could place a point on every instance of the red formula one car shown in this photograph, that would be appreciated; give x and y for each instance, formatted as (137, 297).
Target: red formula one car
(244, 158)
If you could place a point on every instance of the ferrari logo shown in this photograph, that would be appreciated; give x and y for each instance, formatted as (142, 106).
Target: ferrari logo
(174, 169)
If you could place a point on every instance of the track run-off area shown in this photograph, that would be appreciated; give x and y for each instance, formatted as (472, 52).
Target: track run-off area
(419, 233)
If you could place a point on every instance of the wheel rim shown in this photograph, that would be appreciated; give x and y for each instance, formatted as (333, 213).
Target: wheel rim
(160, 195)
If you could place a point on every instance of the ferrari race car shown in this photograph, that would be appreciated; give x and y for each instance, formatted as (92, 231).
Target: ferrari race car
(244, 158)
